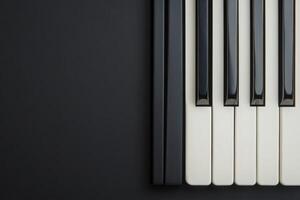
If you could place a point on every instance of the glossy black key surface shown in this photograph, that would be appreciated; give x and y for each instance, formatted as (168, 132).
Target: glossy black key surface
(204, 53)
(257, 89)
(231, 60)
(158, 92)
(175, 95)
(286, 53)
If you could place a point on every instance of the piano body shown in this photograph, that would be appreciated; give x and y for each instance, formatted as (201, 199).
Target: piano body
(226, 86)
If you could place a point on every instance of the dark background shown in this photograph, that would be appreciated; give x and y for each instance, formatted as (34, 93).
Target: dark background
(75, 104)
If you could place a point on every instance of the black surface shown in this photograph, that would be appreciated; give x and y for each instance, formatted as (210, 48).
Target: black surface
(174, 93)
(287, 53)
(158, 161)
(76, 82)
(257, 53)
(231, 53)
(204, 53)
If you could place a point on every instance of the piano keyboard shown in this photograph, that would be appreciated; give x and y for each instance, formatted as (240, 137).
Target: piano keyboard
(226, 86)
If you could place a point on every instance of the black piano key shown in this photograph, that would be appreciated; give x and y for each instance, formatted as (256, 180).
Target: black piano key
(231, 60)
(158, 92)
(257, 89)
(286, 53)
(175, 95)
(204, 53)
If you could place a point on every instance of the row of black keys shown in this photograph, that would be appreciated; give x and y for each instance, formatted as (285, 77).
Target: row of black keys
(231, 61)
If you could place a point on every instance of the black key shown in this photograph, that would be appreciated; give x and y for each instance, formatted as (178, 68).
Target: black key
(174, 118)
(231, 60)
(158, 92)
(257, 53)
(286, 53)
(204, 53)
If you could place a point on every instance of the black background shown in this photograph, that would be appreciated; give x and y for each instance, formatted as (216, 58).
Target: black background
(75, 104)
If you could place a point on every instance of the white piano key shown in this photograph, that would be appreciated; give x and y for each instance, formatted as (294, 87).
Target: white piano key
(223, 117)
(198, 119)
(289, 123)
(245, 115)
(268, 116)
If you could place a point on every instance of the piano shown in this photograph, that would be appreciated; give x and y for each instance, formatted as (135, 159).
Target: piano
(226, 92)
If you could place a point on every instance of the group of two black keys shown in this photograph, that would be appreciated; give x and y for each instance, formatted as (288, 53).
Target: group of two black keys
(204, 58)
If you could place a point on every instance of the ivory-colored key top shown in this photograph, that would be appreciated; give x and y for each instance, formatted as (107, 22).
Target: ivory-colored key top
(290, 120)
(245, 115)
(268, 116)
(198, 119)
(222, 117)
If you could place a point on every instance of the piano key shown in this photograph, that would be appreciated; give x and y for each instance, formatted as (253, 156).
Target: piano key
(257, 52)
(222, 117)
(286, 53)
(231, 96)
(289, 123)
(245, 115)
(174, 110)
(158, 92)
(268, 116)
(198, 119)
(203, 46)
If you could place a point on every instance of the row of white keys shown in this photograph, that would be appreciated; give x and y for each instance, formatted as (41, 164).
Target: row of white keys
(290, 123)
(198, 119)
(241, 145)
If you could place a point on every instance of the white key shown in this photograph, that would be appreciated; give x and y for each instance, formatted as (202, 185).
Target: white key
(223, 117)
(245, 115)
(198, 119)
(268, 116)
(290, 123)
